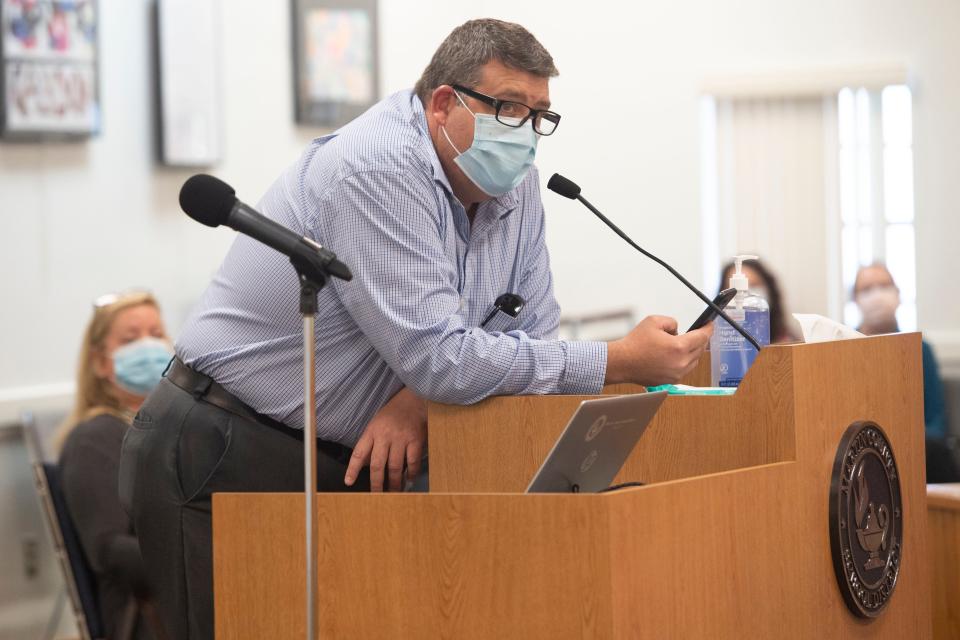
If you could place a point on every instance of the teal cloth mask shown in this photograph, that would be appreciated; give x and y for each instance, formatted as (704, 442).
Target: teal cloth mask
(500, 156)
(139, 365)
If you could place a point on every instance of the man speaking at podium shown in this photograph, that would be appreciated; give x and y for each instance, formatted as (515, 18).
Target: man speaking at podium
(432, 200)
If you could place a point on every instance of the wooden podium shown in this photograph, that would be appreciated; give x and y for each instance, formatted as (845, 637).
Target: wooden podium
(943, 511)
(730, 539)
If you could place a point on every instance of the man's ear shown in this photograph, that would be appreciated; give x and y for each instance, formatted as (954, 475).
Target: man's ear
(442, 101)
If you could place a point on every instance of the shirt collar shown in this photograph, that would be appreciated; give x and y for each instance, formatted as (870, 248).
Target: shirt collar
(502, 206)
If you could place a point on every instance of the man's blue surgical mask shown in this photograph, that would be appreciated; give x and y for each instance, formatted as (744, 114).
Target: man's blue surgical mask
(138, 366)
(500, 156)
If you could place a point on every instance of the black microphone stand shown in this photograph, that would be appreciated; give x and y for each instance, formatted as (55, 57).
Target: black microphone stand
(212, 202)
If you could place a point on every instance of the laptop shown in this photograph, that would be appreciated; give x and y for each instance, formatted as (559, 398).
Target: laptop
(595, 444)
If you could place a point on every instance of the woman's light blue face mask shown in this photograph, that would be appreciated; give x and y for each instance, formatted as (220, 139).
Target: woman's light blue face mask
(139, 365)
(500, 156)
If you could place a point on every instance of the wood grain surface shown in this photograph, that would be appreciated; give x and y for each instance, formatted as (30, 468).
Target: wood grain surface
(943, 507)
(729, 539)
(499, 444)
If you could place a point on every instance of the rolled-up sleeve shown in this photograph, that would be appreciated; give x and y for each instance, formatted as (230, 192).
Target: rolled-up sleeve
(405, 301)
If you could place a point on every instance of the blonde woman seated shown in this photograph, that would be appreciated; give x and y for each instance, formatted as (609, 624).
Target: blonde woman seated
(124, 353)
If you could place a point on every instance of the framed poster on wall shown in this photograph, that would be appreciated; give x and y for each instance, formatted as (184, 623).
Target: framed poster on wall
(335, 60)
(48, 69)
(188, 38)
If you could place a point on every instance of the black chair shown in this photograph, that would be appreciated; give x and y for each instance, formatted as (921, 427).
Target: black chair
(81, 584)
(951, 399)
(941, 462)
(81, 581)
(69, 548)
(943, 456)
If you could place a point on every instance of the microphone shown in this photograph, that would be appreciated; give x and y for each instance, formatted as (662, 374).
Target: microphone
(509, 303)
(569, 189)
(212, 202)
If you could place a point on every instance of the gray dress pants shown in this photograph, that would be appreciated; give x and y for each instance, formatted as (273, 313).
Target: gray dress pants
(178, 452)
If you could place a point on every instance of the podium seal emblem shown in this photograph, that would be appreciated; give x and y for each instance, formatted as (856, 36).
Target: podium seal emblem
(866, 519)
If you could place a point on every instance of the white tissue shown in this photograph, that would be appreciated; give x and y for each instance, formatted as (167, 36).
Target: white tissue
(819, 329)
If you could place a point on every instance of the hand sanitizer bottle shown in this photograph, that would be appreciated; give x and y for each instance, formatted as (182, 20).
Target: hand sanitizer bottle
(730, 353)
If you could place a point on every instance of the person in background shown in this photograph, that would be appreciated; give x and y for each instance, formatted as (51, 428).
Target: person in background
(878, 298)
(124, 353)
(433, 200)
(764, 284)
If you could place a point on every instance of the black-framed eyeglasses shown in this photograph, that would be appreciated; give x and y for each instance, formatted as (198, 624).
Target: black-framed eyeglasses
(516, 114)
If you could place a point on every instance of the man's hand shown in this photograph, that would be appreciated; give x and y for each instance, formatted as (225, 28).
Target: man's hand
(397, 434)
(653, 354)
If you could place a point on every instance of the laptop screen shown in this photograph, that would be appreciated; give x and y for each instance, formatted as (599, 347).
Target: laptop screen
(596, 443)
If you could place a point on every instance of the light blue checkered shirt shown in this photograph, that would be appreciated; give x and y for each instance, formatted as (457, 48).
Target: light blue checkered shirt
(375, 193)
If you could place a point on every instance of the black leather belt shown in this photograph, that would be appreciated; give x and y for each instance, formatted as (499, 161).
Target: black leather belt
(203, 387)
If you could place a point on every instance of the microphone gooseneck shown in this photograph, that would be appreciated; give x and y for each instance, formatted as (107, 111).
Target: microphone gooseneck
(569, 189)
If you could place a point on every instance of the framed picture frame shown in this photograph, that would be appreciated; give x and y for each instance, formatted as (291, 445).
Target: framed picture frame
(49, 84)
(189, 89)
(336, 75)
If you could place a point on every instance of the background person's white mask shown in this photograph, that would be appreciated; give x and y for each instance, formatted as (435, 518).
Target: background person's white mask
(879, 305)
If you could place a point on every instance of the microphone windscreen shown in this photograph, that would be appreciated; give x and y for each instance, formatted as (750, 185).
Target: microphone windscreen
(566, 188)
(207, 200)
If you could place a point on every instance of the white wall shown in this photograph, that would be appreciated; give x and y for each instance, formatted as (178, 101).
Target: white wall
(82, 219)
(77, 220)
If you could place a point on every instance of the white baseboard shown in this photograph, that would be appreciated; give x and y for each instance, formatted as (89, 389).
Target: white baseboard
(29, 618)
(42, 397)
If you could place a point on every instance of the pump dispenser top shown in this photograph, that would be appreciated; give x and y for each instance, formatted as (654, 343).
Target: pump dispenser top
(739, 279)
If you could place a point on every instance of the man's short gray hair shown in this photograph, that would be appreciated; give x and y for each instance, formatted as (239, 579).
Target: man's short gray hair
(473, 44)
